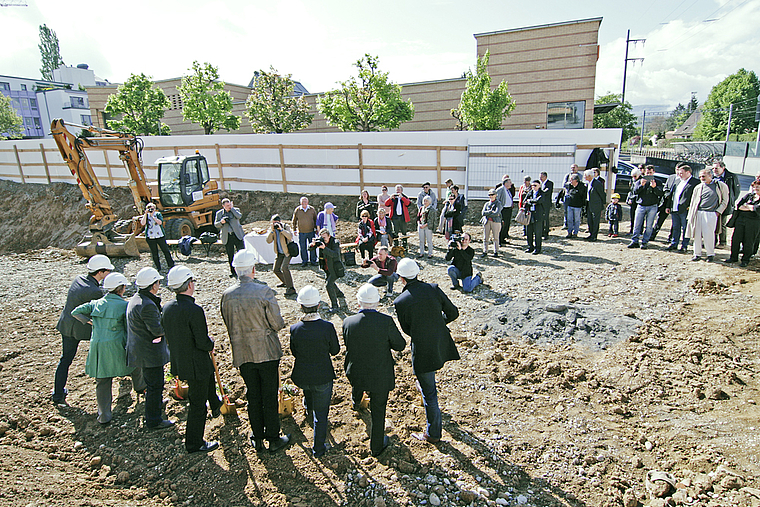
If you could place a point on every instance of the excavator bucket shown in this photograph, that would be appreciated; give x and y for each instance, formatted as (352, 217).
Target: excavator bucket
(98, 243)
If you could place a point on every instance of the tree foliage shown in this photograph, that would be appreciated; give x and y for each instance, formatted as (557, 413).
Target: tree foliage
(681, 113)
(619, 118)
(140, 107)
(367, 102)
(740, 89)
(481, 108)
(50, 52)
(205, 101)
(10, 122)
(272, 107)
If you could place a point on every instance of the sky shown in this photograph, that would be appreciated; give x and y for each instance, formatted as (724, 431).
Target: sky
(691, 45)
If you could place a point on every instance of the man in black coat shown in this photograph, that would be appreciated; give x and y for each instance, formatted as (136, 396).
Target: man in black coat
(146, 346)
(83, 290)
(369, 337)
(189, 345)
(595, 201)
(547, 190)
(534, 202)
(734, 189)
(423, 311)
(679, 202)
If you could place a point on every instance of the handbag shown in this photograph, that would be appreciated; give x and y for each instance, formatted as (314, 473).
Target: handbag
(523, 217)
(349, 258)
(293, 249)
(732, 221)
(340, 270)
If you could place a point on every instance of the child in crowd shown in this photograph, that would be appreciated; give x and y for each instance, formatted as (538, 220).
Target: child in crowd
(613, 214)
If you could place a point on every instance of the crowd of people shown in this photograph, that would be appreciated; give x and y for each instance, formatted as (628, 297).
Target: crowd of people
(139, 337)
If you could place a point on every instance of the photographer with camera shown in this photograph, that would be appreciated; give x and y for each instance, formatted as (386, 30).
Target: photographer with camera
(153, 222)
(384, 265)
(460, 255)
(329, 260)
(227, 220)
(399, 214)
(280, 234)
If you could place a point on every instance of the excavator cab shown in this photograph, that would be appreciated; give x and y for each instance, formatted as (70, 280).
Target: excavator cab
(181, 179)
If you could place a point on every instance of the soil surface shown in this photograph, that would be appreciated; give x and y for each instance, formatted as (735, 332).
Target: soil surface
(584, 370)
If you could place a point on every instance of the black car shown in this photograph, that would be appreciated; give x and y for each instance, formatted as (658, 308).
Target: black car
(623, 179)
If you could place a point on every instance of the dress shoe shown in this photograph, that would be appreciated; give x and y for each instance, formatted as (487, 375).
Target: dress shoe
(258, 444)
(454, 287)
(424, 437)
(281, 285)
(590, 239)
(682, 250)
(206, 447)
(696, 258)
(644, 246)
(568, 236)
(304, 264)
(671, 247)
(233, 275)
(162, 425)
(536, 252)
(496, 254)
(743, 264)
(291, 291)
(323, 452)
(710, 258)
(484, 255)
(279, 443)
(386, 444)
(216, 412)
(530, 250)
(731, 260)
(633, 244)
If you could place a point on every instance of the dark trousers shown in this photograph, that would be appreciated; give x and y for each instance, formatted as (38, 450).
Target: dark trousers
(154, 244)
(282, 269)
(614, 227)
(317, 400)
(745, 235)
(378, 400)
(368, 247)
(661, 217)
(199, 392)
(232, 246)
(304, 238)
(678, 229)
(534, 231)
(506, 220)
(594, 216)
(261, 382)
(154, 381)
(332, 290)
(70, 346)
(399, 227)
(634, 205)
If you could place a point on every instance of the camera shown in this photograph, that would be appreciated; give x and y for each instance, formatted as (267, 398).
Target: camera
(455, 241)
(277, 225)
(318, 242)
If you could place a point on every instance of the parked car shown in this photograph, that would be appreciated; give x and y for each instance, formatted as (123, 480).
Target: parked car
(623, 178)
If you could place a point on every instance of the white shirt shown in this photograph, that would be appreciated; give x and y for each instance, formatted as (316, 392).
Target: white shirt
(677, 195)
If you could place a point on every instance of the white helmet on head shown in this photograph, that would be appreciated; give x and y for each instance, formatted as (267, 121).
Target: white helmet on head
(98, 262)
(243, 258)
(308, 296)
(147, 277)
(368, 293)
(177, 276)
(114, 280)
(407, 268)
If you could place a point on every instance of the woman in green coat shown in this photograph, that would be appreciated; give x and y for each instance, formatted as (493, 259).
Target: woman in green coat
(107, 357)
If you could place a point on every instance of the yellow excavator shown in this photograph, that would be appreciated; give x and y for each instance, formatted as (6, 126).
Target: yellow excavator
(187, 196)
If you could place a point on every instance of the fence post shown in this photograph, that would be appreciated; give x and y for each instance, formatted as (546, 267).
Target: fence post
(219, 165)
(18, 161)
(282, 169)
(44, 161)
(361, 169)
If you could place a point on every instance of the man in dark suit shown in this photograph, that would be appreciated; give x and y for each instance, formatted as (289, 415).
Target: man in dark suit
(680, 200)
(547, 190)
(189, 347)
(666, 203)
(595, 201)
(423, 311)
(369, 337)
(534, 202)
(720, 173)
(227, 220)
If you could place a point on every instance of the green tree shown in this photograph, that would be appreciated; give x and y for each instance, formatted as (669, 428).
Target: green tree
(50, 53)
(619, 118)
(366, 103)
(272, 107)
(140, 107)
(205, 101)
(740, 89)
(10, 122)
(481, 108)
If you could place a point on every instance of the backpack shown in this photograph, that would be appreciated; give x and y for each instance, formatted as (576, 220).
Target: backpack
(185, 245)
(293, 249)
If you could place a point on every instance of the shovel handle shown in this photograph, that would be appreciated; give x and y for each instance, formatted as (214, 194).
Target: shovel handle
(218, 378)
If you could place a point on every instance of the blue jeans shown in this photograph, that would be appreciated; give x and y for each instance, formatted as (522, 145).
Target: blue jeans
(573, 220)
(304, 238)
(70, 346)
(426, 384)
(678, 228)
(468, 284)
(317, 401)
(648, 213)
(380, 280)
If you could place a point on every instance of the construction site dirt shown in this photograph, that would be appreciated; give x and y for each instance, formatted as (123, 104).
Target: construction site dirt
(590, 375)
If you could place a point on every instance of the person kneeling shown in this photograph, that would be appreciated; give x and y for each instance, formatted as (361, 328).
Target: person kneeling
(460, 254)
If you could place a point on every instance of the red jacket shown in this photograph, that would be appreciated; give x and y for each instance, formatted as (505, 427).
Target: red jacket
(404, 204)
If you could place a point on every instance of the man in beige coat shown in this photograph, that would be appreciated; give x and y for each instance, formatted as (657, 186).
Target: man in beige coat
(252, 316)
(708, 202)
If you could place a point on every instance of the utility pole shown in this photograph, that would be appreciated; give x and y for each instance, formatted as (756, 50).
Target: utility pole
(757, 119)
(643, 121)
(628, 40)
(730, 114)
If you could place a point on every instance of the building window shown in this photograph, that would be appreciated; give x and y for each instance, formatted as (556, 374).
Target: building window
(86, 119)
(33, 103)
(23, 87)
(25, 103)
(37, 123)
(5, 87)
(77, 102)
(565, 115)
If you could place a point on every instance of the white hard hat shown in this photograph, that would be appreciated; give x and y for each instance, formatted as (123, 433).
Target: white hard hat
(177, 276)
(243, 258)
(113, 280)
(308, 296)
(98, 262)
(368, 293)
(407, 268)
(147, 277)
